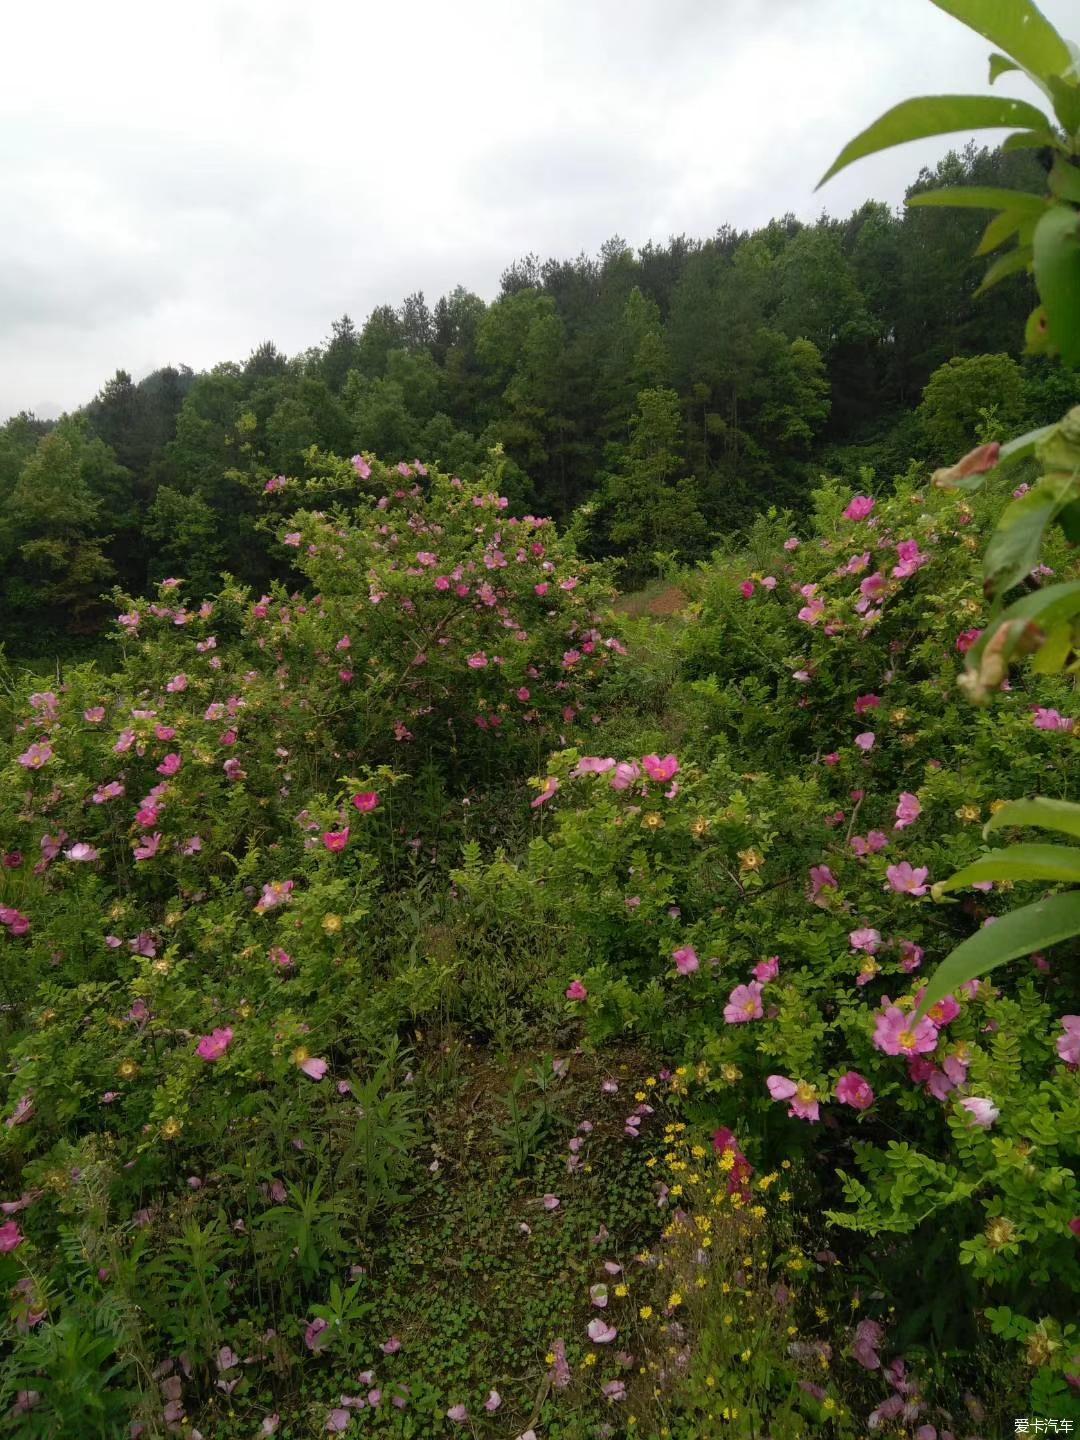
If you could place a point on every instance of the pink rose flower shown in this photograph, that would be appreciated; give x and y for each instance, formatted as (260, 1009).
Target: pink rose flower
(551, 788)
(907, 881)
(592, 765)
(36, 755)
(661, 770)
(766, 970)
(213, 1046)
(11, 1237)
(1042, 719)
(147, 848)
(911, 955)
(315, 1333)
(804, 1103)
(1068, 1042)
(821, 879)
(908, 810)
(983, 1112)
(686, 960)
(275, 893)
(852, 1089)
(744, 1004)
(911, 559)
(895, 1035)
(626, 772)
(859, 508)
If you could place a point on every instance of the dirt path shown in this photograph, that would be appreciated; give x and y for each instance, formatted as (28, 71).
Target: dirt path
(659, 601)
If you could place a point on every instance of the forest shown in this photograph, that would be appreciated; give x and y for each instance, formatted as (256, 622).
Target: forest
(540, 845)
(655, 401)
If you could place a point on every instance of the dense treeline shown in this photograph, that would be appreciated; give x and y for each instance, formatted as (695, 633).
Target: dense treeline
(675, 390)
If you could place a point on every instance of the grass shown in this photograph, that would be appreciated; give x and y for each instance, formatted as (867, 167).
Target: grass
(474, 1275)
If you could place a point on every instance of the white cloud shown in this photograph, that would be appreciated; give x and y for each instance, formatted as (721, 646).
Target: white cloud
(182, 184)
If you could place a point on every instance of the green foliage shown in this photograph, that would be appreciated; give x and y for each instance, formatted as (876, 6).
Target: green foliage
(649, 506)
(791, 349)
(341, 1057)
(1048, 243)
(957, 395)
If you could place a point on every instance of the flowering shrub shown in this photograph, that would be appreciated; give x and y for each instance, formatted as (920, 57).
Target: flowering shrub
(195, 847)
(766, 910)
(236, 961)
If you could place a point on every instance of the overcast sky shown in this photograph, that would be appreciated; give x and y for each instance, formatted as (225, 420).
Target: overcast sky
(183, 182)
